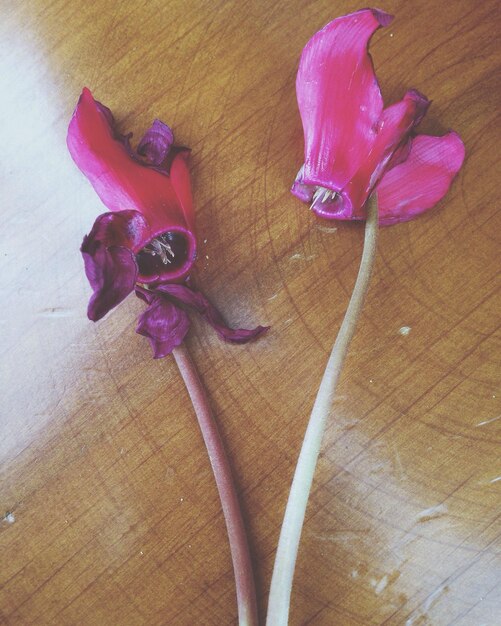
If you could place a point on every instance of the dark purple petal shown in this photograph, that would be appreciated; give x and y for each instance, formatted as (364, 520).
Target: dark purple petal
(146, 295)
(121, 228)
(110, 263)
(197, 301)
(156, 143)
(112, 274)
(164, 324)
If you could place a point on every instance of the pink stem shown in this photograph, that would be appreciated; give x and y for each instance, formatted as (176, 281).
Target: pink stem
(242, 566)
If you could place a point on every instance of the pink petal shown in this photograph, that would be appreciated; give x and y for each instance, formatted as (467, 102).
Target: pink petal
(394, 126)
(120, 181)
(339, 99)
(181, 182)
(123, 182)
(422, 180)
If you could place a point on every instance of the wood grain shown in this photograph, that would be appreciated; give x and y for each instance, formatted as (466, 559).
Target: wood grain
(110, 510)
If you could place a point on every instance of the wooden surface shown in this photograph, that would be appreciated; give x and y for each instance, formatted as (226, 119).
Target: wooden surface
(110, 514)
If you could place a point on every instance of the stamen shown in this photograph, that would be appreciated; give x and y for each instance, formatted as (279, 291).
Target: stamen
(169, 249)
(160, 247)
(317, 193)
(323, 195)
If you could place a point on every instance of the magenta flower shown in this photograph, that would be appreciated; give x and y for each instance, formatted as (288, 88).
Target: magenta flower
(146, 242)
(352, 144)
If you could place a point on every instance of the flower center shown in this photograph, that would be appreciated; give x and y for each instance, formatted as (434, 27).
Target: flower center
(323, 195)
(167, 252)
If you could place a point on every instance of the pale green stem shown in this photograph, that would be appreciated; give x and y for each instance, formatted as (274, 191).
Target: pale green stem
(290, 534)
(240, 554)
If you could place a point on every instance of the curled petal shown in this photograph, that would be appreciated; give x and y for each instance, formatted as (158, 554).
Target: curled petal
(181, 294)
(422, 180)
(164, 324)
(339, 99)
(393, 129)
(110, 264)
(156, 143)
(123, 228)
(112, 274)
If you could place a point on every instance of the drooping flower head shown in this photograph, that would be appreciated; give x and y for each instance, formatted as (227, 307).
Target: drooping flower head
(147, 240)
(353, 145)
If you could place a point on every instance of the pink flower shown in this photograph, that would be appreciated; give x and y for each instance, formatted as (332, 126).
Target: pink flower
(147, 240)
(352, 144)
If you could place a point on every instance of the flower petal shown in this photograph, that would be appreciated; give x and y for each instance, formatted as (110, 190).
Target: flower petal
(300, 189)
(422, 180)
(393, 128)
(194, 299)
(122, 182)
(339, 99)
(156, 143)
(164, 324)
(180, 178)
(110, 264)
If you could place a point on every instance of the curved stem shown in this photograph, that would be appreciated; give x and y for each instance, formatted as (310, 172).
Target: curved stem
(290, 534)
(242, 566)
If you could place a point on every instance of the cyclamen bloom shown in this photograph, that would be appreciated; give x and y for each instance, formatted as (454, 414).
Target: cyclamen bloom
(353, 145)
(147, 241)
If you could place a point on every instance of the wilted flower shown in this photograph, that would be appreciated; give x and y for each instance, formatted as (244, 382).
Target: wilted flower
(146, 242)
(352, 144)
